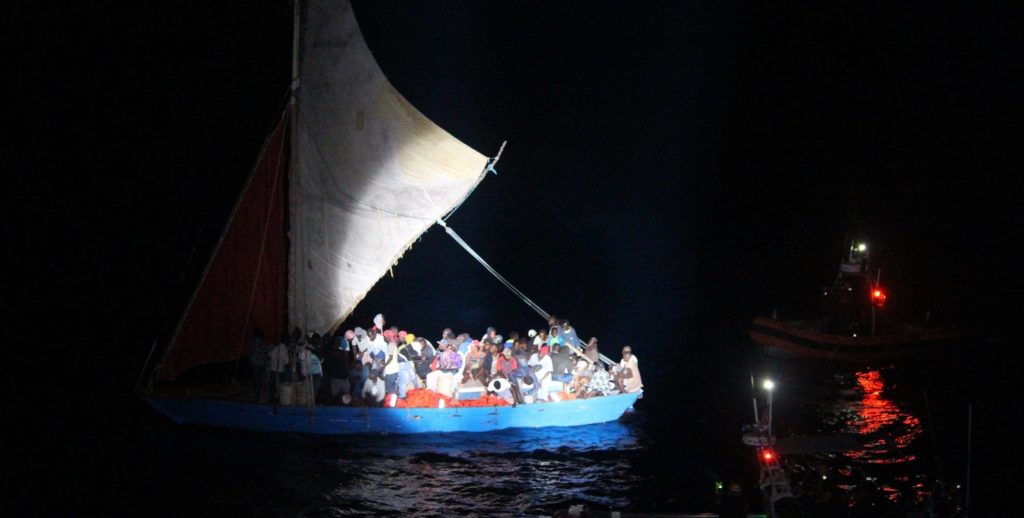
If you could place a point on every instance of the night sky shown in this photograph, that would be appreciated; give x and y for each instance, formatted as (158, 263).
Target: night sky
(666, 165)
(669, 167)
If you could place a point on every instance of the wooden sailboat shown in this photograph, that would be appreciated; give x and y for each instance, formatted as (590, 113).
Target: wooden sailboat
(350, 177)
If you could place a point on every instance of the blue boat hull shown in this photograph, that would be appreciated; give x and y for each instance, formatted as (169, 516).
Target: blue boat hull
(356, 420)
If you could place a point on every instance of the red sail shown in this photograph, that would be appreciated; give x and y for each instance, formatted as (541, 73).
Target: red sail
(244, 286)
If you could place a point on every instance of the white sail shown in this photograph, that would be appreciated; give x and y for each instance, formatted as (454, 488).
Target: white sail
(373, 172)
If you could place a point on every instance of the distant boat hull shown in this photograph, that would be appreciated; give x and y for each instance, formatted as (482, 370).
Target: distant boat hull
(780, 339)
(340, 420)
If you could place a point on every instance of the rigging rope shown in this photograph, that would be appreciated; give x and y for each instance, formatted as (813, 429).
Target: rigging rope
(533, 305)
(451, 232)
(489, 168)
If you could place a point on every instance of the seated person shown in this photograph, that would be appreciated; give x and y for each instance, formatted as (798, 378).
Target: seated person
(581, 374)
(445, 365)
(600, 383)
(506, 364)
(561, 364)
(627, 372)
(474, 368)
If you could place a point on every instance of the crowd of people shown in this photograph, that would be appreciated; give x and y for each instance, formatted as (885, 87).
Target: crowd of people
(370, 366)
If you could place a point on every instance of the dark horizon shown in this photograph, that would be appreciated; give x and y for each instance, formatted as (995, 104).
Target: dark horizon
(691, 162)
(671, 172)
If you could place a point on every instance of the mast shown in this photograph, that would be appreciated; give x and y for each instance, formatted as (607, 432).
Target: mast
(293, 137)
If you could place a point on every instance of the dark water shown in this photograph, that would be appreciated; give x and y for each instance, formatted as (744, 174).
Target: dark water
(664, 458)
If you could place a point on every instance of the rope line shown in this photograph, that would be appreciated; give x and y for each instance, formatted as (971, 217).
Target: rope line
(533, 305)
(522, 296)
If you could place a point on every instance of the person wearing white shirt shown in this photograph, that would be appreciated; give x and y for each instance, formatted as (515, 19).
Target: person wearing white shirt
(278, 365)
(627, 372)
(373, 390)
(377, 343)
(391, 369)
(543, 369)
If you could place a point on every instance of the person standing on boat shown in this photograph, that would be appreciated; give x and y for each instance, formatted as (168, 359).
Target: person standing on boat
(378, 347)
(541, 338)
(552, 321)
(592, 353)
(568, 334)
(310, 363)
(555, 336)
(406, 370)
(391, 369)
(258, 357)
(542, 371)
(278, 368)
(337, 366)
(491, 336)
(627, 372)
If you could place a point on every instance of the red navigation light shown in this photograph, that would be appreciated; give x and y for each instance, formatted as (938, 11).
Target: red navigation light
(768, 455)
(877, 297)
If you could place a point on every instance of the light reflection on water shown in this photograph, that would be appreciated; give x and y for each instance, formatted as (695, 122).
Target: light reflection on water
(506, 473)
(862, 403)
